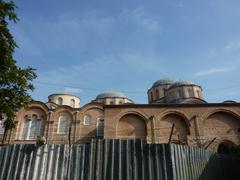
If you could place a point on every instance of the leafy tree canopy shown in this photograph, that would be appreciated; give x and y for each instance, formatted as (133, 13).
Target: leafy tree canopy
(15, 82)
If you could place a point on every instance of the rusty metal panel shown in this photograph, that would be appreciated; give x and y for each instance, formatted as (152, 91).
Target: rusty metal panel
(105, 159)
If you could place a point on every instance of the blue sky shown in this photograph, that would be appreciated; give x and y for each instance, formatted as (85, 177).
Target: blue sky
(87, 47)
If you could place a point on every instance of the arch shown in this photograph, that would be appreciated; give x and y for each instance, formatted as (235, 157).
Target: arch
(64, 121)
(226, 147)
(87, 119)
(133, 111)
(190, 92)
(180, 128)
(222, 123)
(38, 104)
(61, 110)
(33, 105)
(31, 121)
(32, 127)
(208, 114)
(151, 95)
(157, 94)
(72, 103)
(60, 101)
(131, 126)
(177, 112)
(100, 126)
(90, 106)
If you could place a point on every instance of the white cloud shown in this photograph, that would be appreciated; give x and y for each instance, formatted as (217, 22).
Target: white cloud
(179, 5)
(139, 17)
(73, 33)
(72, 90)
(233, 45)
(99, 69)
(142, 63)
(216, 70)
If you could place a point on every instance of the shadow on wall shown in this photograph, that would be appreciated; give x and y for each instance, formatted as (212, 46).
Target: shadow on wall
(222, 167)
(87, 138)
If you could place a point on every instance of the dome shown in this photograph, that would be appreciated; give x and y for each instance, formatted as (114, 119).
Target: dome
(62, 94)
(163, 81)
(182, 83)
(111, 95)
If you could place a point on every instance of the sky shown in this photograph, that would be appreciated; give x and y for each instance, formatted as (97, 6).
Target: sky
(86, 47)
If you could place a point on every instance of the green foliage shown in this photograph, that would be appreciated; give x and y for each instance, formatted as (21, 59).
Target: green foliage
(15, 82)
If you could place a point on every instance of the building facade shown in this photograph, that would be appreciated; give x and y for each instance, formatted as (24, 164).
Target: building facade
(176, 113)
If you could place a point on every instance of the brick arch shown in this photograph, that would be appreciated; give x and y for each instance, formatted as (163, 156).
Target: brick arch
(181, 126)
(64, 111)
(133, 111)
(91, 106)
(176, 112)
(208, 114)
(132, 126)
(33, 105)
(222, 123)
(38, 104)
(34, 108)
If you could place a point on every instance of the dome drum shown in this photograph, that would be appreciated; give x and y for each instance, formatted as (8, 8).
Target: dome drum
(168, 91)
(65, 99)
(113, 98)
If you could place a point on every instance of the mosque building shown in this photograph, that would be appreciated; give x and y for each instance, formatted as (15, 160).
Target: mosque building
(176, 113)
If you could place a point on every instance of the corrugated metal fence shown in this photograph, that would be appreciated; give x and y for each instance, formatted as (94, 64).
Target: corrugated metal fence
(103, 159)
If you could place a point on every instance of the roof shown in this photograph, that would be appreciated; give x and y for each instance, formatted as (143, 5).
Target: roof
(59, 94)
(182, 83)
(112, 94)
(163, 81)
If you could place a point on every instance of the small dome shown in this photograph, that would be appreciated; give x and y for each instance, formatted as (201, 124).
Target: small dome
(111, 95)
(181, 83)
(163, 81)
(229, 101)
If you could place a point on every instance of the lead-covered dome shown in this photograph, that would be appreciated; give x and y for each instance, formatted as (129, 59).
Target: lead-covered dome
(113, 98)
(113, 94)
(182, 83)
(163, 81)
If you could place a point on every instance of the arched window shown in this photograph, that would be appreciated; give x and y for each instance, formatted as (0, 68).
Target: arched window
(87, 120)
(178, 94)
(100, 127)
(60, 101)
(151, 96)
(32, 127)
(72, 103)
(157, 93)
(63, 123)
(198, 93)
(190, 93)
(111, 102)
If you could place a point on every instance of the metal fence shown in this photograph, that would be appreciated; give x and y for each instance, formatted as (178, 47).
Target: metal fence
(104, 159)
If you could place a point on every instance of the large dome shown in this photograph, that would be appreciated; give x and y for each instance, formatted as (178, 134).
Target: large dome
(182, 83)
(111, 95)
(163, 81)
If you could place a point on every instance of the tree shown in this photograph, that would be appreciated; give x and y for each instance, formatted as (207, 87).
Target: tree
(15, 82)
